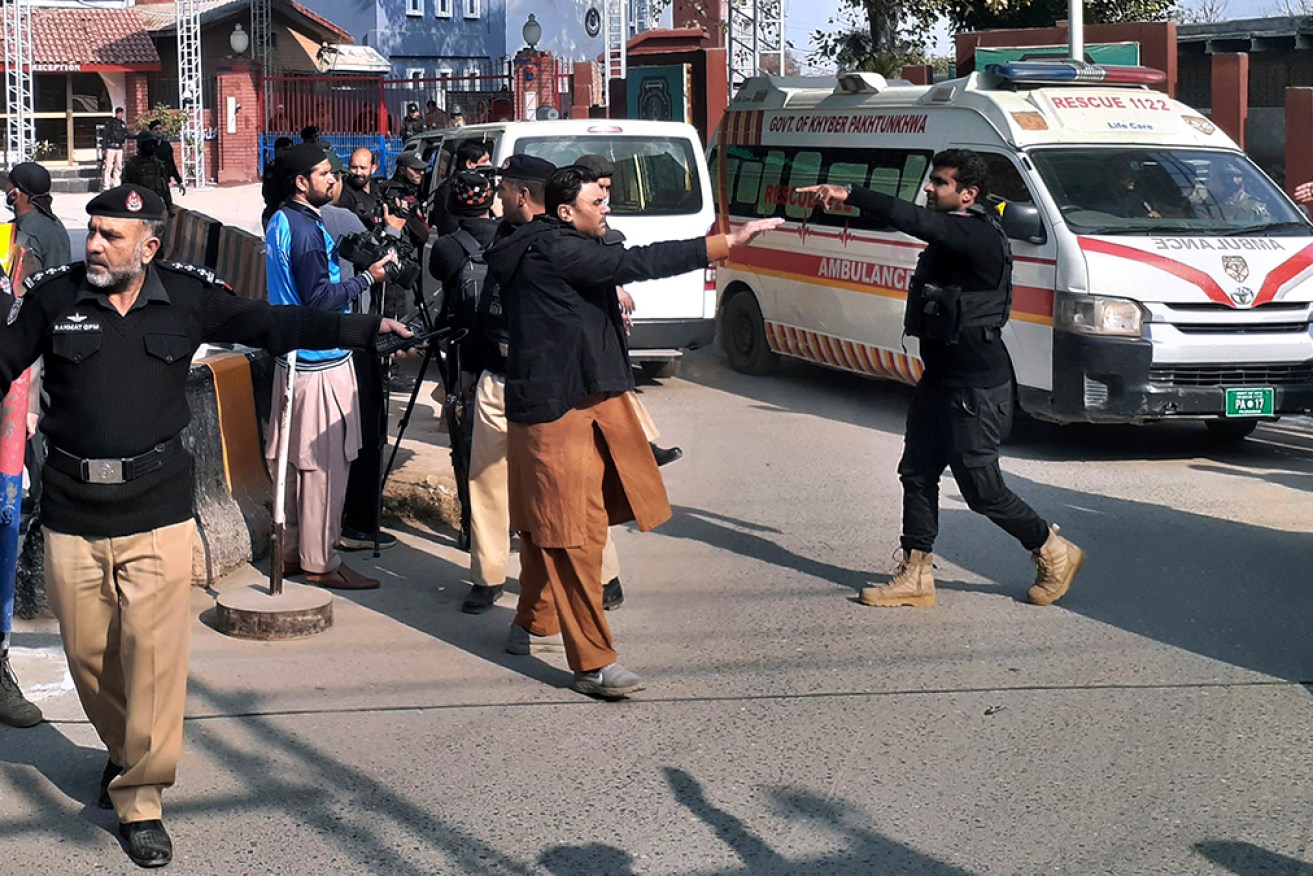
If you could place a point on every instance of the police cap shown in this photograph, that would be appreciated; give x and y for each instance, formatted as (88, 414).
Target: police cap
(599, 165)
(413, 160)
(129, 202)
(527, 167)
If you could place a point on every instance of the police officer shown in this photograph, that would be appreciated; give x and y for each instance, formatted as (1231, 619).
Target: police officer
(41, 234)
(957, 304)
(118, 333)
(113, 136)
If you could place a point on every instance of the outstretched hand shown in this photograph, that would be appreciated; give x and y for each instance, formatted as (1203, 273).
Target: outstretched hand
(745, 234)
(1304, 193)
(825, 195)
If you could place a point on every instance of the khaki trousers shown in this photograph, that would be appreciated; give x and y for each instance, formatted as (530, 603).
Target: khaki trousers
(490, 517)
(123, 610)
(112, 172)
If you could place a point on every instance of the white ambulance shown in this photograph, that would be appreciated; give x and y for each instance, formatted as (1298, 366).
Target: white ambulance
(661, 191)
(1157, 272)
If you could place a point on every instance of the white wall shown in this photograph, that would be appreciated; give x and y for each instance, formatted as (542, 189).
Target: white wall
(563, 27)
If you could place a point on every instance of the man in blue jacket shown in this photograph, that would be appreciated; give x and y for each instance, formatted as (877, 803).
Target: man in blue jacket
(303, 269)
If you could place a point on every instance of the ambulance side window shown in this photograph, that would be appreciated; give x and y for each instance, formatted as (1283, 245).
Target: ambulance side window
(749, 183)
(773, 172)
(806, 171)
(914, 167)
(1005, 181)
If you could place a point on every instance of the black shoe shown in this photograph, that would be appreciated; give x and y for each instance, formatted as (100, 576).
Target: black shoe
(147, 843)
(664, 455)
(480, 599)
(354, 540)
(612, 595)
(112, 771)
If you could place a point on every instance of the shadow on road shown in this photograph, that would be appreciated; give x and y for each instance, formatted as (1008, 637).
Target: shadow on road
(1247, 859)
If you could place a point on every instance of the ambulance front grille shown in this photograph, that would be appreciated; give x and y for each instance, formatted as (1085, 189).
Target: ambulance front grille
(1300, 374)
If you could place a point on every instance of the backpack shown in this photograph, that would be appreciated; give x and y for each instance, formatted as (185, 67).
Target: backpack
(150, 174)
(463, 298)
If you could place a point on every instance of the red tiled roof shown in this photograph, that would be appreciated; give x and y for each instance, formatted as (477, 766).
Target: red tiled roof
(92, 37)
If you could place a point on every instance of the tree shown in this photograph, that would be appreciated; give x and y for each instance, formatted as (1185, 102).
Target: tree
(893, 27)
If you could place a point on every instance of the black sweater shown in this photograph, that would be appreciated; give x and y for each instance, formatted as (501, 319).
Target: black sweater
(567, 340)
(963, 251)
(117, 384)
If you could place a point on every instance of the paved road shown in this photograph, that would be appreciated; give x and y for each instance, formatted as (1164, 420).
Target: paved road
(1156, 721)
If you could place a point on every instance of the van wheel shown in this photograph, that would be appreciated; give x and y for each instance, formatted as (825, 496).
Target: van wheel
(743, 335)
(1231, 430)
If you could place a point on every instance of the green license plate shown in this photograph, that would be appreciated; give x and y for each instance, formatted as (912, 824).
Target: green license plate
(1249, 402)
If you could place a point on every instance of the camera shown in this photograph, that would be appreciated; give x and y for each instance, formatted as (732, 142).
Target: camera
(364, 248)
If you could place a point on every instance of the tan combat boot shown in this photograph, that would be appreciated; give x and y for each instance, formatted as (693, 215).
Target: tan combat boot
(913, 583)
(1057, 562)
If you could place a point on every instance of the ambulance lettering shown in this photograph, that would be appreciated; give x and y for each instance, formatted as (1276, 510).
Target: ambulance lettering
(866, 273)
(1218, 243)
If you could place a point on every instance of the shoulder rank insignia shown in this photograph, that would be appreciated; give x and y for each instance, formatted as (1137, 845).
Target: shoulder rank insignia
(40, 277)
(204, 274)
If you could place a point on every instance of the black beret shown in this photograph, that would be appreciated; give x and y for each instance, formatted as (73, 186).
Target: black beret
(527, 167)
(129, 202)
(30, 178)
(300, 159)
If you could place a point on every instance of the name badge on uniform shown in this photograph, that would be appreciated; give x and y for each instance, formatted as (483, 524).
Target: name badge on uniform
(76, 323)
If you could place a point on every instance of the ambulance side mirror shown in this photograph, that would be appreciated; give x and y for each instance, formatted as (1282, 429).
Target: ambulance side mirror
(1023, 222)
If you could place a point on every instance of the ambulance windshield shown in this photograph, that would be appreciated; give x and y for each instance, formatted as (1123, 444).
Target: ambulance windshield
(654, 176)
(1174, 191)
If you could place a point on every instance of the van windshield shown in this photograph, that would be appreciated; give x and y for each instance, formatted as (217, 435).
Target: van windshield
(654, 176)
(1157, 191)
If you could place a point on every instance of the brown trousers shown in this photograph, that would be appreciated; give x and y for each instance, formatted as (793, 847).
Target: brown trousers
(490, 513)
(123, 610)
(561, 588)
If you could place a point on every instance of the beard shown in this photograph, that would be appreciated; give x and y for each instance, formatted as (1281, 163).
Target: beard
(102, 276)
(357, 182)
(319, 199)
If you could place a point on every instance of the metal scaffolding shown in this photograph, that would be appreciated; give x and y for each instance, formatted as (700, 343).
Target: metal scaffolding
(190, 92)
(643, 15)
(616, 33)
(260, 35)
(20, 133)
(756, 40)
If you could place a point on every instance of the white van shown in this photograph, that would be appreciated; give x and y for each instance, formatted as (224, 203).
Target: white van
(1157, 272)
(661, 191)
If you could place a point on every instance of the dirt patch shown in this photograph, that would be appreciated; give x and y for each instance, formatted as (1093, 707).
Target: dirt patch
(431, 500)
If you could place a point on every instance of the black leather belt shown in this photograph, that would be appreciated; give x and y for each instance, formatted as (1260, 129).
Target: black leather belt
(113, 471)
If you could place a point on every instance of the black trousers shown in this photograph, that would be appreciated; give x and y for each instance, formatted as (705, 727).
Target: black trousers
(960, 429)
(360, 510)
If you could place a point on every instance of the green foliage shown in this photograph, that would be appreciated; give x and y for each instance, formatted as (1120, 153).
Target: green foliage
(173, 119)
(884, 35)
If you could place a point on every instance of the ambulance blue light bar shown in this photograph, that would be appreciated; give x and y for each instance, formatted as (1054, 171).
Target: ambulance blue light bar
(1073, 72)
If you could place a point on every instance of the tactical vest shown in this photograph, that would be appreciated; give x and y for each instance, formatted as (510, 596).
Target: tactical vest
(940, 313)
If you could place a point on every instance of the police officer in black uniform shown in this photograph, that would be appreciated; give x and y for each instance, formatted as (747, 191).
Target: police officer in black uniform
(118, 333)
(957, 305)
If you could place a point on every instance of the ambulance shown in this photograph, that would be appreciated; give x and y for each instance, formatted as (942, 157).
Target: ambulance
(1158, 273)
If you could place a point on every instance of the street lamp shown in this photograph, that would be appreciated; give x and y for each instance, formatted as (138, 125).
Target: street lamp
(532, 32)
(239, 41)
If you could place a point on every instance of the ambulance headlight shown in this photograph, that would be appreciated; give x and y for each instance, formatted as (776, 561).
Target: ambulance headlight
(1098, 315)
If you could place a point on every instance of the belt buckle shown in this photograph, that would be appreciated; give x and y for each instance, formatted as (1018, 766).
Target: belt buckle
(102, 471)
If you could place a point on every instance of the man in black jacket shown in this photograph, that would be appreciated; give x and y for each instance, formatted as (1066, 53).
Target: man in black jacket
(578, 460)
(117, 508)
(470, 155)
(164, 152)
(958, 302)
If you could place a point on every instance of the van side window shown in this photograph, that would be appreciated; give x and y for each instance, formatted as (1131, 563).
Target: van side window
(1005, 181)
(755, 179)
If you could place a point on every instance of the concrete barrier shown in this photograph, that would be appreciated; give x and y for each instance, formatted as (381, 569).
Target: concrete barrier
(193, 239)
(232, 491)
(240, 263)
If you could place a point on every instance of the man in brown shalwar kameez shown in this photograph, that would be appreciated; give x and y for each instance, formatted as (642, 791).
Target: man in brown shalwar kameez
(579, 461)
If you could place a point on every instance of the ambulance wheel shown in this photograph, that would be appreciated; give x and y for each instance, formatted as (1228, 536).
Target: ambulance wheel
(743, 336)
(1231, 430)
